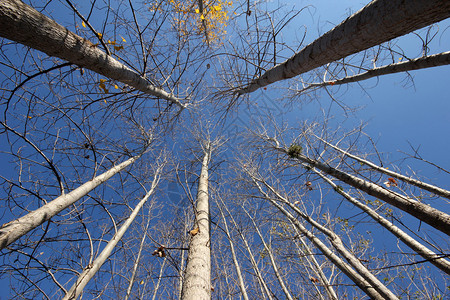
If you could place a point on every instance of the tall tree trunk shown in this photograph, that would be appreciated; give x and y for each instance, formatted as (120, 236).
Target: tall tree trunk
(268, 248)
(420, 249)
(23, 24)
(233, 252)
(137, 261)
(420, 184)
(92, 269)
(378, 22)
(305, 250)
(334, 239)
(433, 217)
(197, 279)
(13, 230)
(262, 283)
(353, 275)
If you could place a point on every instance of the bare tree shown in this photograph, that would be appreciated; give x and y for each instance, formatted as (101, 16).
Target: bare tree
(378, 22)
(197, 279)
(21, 23)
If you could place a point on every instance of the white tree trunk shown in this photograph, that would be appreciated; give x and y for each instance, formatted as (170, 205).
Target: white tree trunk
(13, 230)
(271, 257)
(92, 269)
(137, 261)
(327, 252)
(378, 22)
(23, 24)
(233, 253)
(262, 283)
(433, 217)
(335, 241)
(420, 249)
(314, 265)
(197, 279)
(420, 184)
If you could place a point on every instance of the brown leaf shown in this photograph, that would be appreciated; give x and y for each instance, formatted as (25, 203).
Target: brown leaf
(194, 231)
(314, 279)
(160, 252)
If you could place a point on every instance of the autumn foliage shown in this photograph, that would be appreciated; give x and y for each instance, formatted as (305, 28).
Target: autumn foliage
(210, 21)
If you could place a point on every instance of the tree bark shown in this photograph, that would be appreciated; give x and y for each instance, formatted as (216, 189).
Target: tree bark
(420, 184)
(197, 279)
(335, 241)
(233, 253)
(92, 269)
(13, 230)
(376, 23)
(433, 217)
(420, 249)
(21, 23)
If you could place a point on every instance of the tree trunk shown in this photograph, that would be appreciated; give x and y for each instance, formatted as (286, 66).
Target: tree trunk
(422, 211)
(137, 261)
(23, 24)
(335, 241)
(92, 269)
(378, 22)
(420, 184)
(268, 248)
(420, 249)
(327, 252)
(233, 253)
(197, 279)
(13, 230)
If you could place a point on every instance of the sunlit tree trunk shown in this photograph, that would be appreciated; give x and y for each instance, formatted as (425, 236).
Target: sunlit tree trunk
(197, 279)
(333, 238)
(378, 22)
(13, 230)
(354, 276)
(233, 253)
(23, 24)
(92, 269)
(420, 249)
(137, 261)
(272, 259)
(420, 184)
(433, 217)
(315, 266)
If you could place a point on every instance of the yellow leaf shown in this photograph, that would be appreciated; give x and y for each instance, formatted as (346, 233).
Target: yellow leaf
(197, 11)
(116, 87)
(202, 17)
(105, 101)
(111, 43)
(29, 117)
(123, 40)
(82, 24)
(194, 231)
(102, 80)
(100, 35)
(142, 282)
